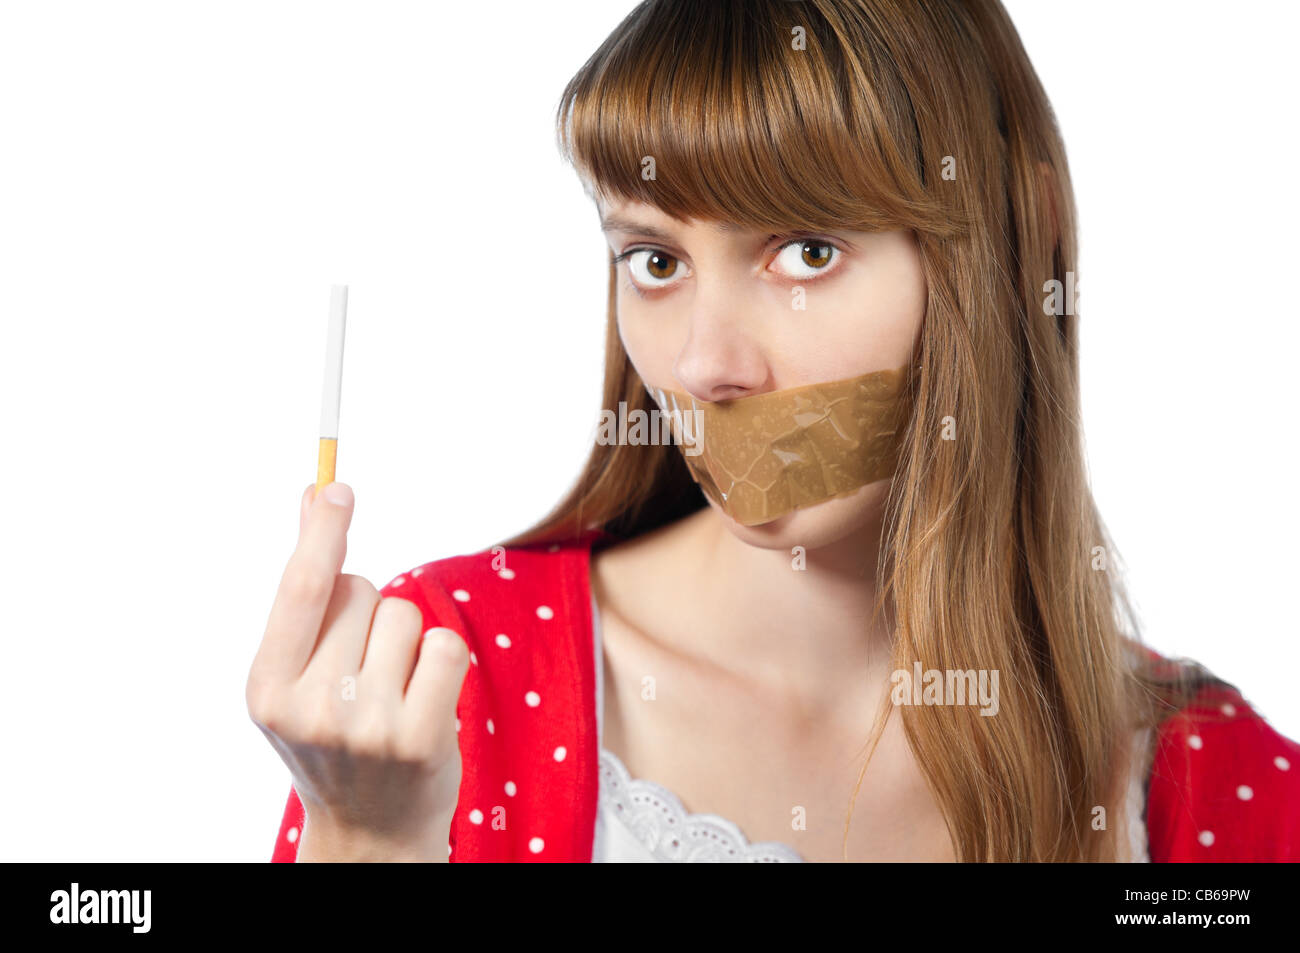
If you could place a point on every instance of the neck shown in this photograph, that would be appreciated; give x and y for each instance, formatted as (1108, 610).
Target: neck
(800, 624)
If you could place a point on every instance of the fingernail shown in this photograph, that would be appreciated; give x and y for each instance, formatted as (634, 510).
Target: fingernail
(340, 494)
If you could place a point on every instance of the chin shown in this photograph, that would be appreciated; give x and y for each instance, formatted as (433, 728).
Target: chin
(813, 527)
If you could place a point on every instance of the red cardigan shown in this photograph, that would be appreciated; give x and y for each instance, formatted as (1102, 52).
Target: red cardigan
(1224, 785)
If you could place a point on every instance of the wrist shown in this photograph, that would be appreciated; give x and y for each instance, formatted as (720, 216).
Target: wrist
(324, 840)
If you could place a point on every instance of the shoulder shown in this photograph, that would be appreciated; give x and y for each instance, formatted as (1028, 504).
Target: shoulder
(1224, 784)
(524, 585)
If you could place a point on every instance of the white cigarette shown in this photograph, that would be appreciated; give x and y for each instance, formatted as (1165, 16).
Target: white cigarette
(333, 389)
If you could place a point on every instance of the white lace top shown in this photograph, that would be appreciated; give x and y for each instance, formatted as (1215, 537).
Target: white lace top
(639, 821)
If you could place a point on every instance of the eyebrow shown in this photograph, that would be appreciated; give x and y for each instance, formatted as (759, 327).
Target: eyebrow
(616, 223)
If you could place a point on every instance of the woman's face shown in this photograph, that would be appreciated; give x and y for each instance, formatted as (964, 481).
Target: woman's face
(722, 312)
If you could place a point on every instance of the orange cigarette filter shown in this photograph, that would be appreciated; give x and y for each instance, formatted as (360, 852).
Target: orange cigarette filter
(333, 387)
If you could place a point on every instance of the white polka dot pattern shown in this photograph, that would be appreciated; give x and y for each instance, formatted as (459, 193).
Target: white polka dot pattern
(1222, 780)
(1208, 782)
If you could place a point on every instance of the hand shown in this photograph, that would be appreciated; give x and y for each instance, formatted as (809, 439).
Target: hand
(359, 701)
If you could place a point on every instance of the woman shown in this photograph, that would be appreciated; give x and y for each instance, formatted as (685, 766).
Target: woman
(843, 242)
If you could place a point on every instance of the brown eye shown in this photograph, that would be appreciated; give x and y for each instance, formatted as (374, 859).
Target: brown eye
(807, 258)
(651, 268)
(660, 265)
(816, 255)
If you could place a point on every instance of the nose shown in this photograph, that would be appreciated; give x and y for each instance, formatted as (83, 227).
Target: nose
(720, 360)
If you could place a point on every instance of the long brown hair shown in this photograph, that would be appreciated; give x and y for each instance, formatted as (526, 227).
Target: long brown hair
(891, 114)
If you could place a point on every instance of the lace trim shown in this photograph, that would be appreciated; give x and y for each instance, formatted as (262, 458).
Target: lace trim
(655, 816)
(1135, 807)
(658, 819)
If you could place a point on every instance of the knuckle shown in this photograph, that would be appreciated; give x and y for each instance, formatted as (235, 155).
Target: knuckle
(262, 700)
(414, 748)
(446, 646)
(322, 730)
(372, 738)
(358, 587)
(303, 584)
(401, 613)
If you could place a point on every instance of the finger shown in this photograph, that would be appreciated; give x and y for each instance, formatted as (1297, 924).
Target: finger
(307, 584)
(304, 507)
(344, 630)
(434, 690)
(391, 649)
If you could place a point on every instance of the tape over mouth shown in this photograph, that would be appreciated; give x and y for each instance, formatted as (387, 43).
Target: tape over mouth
(761, 457)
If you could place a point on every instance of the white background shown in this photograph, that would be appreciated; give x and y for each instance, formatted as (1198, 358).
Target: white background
(181, 183)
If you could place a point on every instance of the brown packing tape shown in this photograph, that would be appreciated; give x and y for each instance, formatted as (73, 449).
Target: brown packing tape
(761, 457)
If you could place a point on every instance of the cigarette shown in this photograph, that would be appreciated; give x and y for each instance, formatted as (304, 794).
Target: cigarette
(329, 404)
